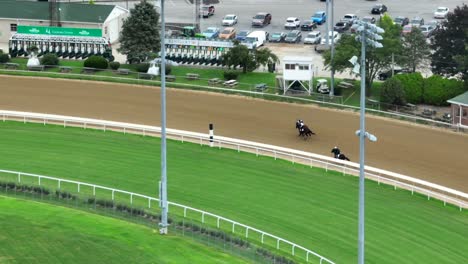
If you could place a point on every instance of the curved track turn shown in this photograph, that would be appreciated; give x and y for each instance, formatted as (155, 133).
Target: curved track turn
(430, 154)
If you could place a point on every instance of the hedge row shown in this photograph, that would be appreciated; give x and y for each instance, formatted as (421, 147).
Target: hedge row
(434, 90)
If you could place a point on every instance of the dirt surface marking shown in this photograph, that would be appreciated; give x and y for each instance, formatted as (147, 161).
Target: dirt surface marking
(430, 154)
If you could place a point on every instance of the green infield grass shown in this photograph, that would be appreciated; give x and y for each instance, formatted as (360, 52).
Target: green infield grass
(308, 206)
(34, 232)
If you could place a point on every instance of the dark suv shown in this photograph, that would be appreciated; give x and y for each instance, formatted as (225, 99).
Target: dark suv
(261, 19)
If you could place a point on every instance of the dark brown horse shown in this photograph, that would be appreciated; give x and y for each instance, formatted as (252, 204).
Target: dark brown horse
(304, 130)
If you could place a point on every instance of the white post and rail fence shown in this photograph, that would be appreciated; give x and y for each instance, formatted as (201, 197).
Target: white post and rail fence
(431, 190)
(280, 242)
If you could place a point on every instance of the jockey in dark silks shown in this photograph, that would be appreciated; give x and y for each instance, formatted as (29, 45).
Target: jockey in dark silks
(336, 152)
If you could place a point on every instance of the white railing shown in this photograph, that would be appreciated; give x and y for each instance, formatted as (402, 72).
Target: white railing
(447, 195)
(20, 177)
(414, 118)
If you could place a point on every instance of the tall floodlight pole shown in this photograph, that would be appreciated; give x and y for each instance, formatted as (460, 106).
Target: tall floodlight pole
(367, 37)
(362, 145)
(332, 79)
(163, 183)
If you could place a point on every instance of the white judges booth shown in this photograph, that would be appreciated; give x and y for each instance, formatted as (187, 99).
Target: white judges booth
(297, 73)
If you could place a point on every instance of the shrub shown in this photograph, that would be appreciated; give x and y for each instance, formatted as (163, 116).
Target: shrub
(438, 90)
(231, 75)
(413, 85)
(142, 67)
(4, 58)
(50, 59)
(97, 62)
(115, 65)
(392, 92)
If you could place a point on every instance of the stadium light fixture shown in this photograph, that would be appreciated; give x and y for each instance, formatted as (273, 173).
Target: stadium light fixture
(369, 35)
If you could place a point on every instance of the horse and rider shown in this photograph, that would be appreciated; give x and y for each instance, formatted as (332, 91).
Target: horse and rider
(304, 130)
(338, 155)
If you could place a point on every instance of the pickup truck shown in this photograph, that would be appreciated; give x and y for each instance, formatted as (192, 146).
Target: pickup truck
(207, 11)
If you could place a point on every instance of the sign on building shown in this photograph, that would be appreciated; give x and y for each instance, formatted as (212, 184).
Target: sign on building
(60, 31)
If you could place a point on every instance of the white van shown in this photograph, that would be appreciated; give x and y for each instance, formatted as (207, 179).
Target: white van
(256, 39)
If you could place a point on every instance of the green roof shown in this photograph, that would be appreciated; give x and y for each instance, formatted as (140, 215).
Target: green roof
(69, 12)
(462, 99)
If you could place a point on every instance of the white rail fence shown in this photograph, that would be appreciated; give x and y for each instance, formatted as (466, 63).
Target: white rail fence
(413, 118)
(279, 241)
(431, 190)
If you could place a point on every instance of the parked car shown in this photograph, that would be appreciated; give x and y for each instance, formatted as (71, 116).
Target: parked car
(313, 37)
(319, 17)
(353, 28)
(341, 26)
(379, 9)
(369, 19)
(417, 21)
(241, 35)
(294, 36)
(277, 37)
(407, 29)
(261, 19)
(434, 23)
(207, 11)
(211, 32)
(427, 30)
(331, 35)
(308, 25)
(441, 12)
(229, 20)
(292, 23)
(228, 33)
(350, 18)
(384, 75)
(401, 20)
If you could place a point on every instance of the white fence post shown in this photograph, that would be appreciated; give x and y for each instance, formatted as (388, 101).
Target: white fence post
(217, 223)
(247, 232)
(19, 177)
(78, 187)
(233, 225)
(112, 195)
(59, 184)
(94, 190)
(149, 202)
(131, 198)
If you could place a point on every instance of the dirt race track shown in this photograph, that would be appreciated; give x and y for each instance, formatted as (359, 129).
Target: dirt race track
(431, 154)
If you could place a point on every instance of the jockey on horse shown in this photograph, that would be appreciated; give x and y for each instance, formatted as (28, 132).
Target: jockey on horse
(304, 130)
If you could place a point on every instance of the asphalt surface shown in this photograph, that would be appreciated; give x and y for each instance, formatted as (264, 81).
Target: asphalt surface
(430, 154)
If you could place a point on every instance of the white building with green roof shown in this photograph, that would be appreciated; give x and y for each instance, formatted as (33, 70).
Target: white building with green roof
(460, 110)
(107, 18)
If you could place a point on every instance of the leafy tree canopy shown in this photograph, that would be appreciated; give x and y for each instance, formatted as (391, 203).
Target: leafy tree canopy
(450, 45)
(140, 33)
(415, 49)
(377, 59)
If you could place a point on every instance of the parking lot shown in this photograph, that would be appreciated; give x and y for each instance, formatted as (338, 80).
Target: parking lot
(181, 11)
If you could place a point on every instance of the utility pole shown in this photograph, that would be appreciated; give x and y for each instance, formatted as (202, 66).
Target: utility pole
(393, 63)
(163, 183)
(332, 79)
(326, 24)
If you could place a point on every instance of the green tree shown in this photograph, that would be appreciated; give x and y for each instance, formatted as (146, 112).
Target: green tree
(392, 92)
(241, 56)
(450, 45)
(415, 49)
(377, 59)
(140, 33)
(264, 56)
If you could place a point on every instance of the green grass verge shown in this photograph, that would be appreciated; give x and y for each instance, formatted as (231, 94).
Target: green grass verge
(34, 232)
(247, 81)
(305, 205)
